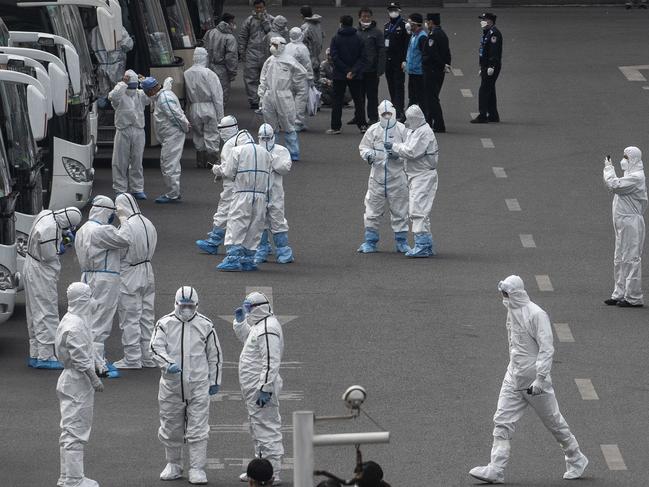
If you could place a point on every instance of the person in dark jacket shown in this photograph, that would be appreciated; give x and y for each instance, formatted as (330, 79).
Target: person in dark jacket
(348, 55)
(396, 40)
(491, 51)
(436, 59)
(413, 64)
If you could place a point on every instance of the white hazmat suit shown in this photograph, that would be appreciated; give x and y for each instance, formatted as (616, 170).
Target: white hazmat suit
(76, 385)
(98, 245)
(128, 146)
(388, 183)
(420, 152)
(259, 363)
(205, 97)
(137, 284)
(187, 350)
(300, 52)
(629, 205)
(41, 275)
(527, 383)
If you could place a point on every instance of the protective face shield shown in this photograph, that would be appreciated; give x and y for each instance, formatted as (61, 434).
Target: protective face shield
(228, 127)
(79, 296)
(277, 46)
(624, 163)
(102, 209)
(68, 218)
(484, 24)
(257, 302)
(296, 35)
(393, 14)
(186, 303)
(266, 136)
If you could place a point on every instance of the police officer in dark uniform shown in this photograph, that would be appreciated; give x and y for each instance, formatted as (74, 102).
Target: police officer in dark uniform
(491, 50)
(436, 60)
(396, 40)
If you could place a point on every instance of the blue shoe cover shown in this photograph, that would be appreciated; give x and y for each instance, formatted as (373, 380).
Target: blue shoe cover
(263, 249)
(113, 374)
(140, 195)
(232, 261)
(48, 364)
(371, 239)
(207, 246)
(164, 199)
(31, 362)
(401, 242)
(423, 246)
(284, 252)
(248, 261)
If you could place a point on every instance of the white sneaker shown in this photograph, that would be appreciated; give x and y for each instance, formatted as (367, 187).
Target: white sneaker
(488, 474)
(575, 469)
(172, 471)
(197, 476)
(124, 364)
(243, 477)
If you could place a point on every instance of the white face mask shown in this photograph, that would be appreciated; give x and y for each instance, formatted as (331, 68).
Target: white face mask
(131, 92)
(408, 27)
(624, 164)
(484, 24)
(393, 14)
(186, 313)
(275, 50)
(386, 121)
(366, 24)
(506, 302)
(268, 143)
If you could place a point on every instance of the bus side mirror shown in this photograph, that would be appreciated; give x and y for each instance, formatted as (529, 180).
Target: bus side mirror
(74, 69)
(109, 21)
(36, 103)
(59, 81)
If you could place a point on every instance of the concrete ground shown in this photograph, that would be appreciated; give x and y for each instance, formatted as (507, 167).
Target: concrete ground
(425, 337)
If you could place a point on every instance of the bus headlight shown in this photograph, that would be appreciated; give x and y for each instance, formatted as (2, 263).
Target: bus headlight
(76, 170)
(6, 279)
(21, 243)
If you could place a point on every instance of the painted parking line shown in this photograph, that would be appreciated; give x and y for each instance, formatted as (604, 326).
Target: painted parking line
(527, 240)
(474, 114)
(586, 389)
(499, 172)
(241, 463)
(512, 204)
(286, 364)
(632, 73)
(237, 396)
(613, 457)
(487, 143)
(466, 93)
(242, 428)
(563, 332)
(544, 283)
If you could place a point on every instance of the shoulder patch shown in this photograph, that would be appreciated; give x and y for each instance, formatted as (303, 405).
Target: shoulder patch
(494, 39)
(431, 41)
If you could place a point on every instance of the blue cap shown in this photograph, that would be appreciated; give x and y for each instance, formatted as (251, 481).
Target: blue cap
(148, 83)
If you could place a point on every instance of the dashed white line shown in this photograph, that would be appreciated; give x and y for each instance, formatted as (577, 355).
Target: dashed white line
(466, 93)
(632, 73)
(474, 114)
(487, 143)
(457, 72)
(563, 332)
(613, 457)
(544, 283)
(527, 240)
(645, 87)
(499, 172)
(586, 389)
(512, 204)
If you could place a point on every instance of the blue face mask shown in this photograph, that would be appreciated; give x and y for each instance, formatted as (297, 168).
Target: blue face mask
(132, 86)
(111, 218)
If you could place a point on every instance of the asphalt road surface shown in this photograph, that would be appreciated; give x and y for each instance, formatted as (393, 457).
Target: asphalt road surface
(425, 337)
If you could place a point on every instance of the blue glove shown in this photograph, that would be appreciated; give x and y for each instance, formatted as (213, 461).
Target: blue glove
(247, 306)
(61, 248)
(369, 158)
(239, 314)
(173, 369)
(70, 235)
(387, 145)
(263, 398)
(214, 389)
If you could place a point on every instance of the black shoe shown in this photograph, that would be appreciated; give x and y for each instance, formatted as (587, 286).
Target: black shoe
(254, 106)
(493, 120)
(625, 304)
(352, 121)
(479, 120)
(611, 302)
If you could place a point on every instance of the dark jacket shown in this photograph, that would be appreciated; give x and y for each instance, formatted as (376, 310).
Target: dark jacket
(491, 48)
(397, 39)
(436, 53)
(347, 50)
(374, 48)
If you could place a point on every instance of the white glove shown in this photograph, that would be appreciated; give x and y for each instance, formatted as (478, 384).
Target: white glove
(216, 170)
(607, 161)
(537, 386)
(490, 71)
(96, 383)
(447, 68)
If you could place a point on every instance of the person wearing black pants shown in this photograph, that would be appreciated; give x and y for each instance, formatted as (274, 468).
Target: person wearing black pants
(413, 64)
(491, 50)
(396, 39)
(436, 60)
(375, 65)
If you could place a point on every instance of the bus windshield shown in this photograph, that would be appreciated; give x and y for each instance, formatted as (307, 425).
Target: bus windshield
(5, 177)
(155, 32)
(4, 34)
(180, 24)
(17, 132)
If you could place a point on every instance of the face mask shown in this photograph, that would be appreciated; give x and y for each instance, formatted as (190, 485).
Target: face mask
(131, 92)
(111, 218)
(234, 26)
(393, 14)
(506, 302)
(386, 121)
(186, 312)
(268, 143)
(624, 164)
(408, 27)
(131, 86)
(366, 24)
(274, 50)
(484, 24)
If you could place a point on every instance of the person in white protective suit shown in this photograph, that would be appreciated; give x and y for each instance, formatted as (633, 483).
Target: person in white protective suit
(171, 125)
(135, 308)
(205, 97)
(420, 152)
(300, 52)
(98, 244)
(527, 383)
(275, 219)
(128, 147)
(47, 241)
(76, 385)
(228, 128)
(387, 183)
(111, 64)
(249, 166)
(221, 45)
(187, 350)
(258, 329)
(282, 81)
(629, 205)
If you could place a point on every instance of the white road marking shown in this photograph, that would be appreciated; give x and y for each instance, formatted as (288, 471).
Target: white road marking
(527, 240)
(645, 87)
(586, 389)
(268, 291)
(487, 143)
(242, 428)
(466, 93)
(499, 172)
(562, 330)
(241, 463)
(474, 114)
(290, 365)
(632, 73)
(512, 204)
(237, 396)
(457, 72)
(544, 283)
(613, 457)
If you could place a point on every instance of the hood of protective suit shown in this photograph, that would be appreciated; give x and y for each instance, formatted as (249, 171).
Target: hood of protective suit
(635, 159)
(260, 307)
(281, 45)
(79, 296)
(225, 27)
(243, 138)
(386, 106)
(266, 132)
(131, 75)
(228, 127)
(102, 209)
(67, 217)
(200, 56)
(187, 296)
(279, 24)
(415, 118)
(296, 35)
(126, 205)
(515, 288)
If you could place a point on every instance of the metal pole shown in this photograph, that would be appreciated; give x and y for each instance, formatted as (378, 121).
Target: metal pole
(350, 438)
(303, 449)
